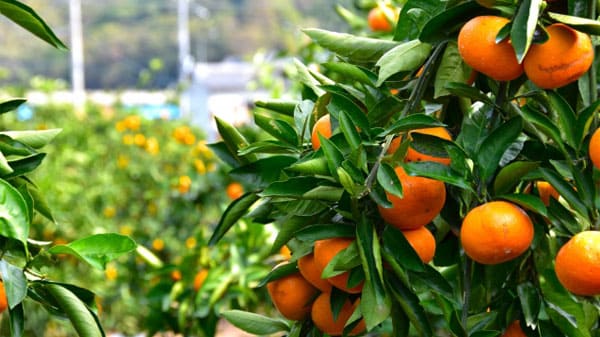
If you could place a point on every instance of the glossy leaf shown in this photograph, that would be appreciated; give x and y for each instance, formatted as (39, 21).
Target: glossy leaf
(27, 18)
(78, 313)
(25, 165)
(493, 146)
(388, 179)
(439, 172)
(412, 122)
(282, 106)
(467, 91)
(565, 190)
(17, 320)
(262, 172)
(14, 214)
(333, 154)
(11, 105)
(444, 25)
(414, 16)
(396, 246)
(98, 249)
(567, 120)
(15, 283)
(33, 138)
(544, 124)
(451, 69)
(410, 305)
(277, 128)
(293, 187)
(530, 302)
(407, 56)
(234, 212)
(510, 175)
(234, 141)
(523, 27)
(352, 47)
(581, 24)
(324, 231)
(349, 131)
(352, 72)
(254, 323)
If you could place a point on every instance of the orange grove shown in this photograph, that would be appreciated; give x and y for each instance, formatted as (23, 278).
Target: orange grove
(414, 155)
(422, 201)
(478, 48)
(496, 232)
(422, 241)
(577, 264)
(312, 272)
(292, 295)
(322, 316)
(325, 250)
(562, 59)
(323, 127)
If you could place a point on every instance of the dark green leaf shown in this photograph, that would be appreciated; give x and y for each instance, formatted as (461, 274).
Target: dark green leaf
(17, 321)
(448, 22)
(352, 72)
(383, 111)
(510, 175)
(324, 231)
(277, 128)
(398, 247)
(565, 190)
(495, 145)
(530, 302)
(411, 306)
(340, 104)
(412, 122)
(354, 48)
(27, 18)
(25, 165)
(14, 215)
(262, 172)
(414, 16)
(544, 124)
(234, 141)
(407, 56)
(584, 122)
(282, 106)
(278, 272)
(292, 187)
(468, 91)
(313, 166)
(439, 172)
(451, 69)
(235, 211)
(33, 138)
(523, 27)
(78, 313)
(15, 283)
(566, 118)
(527, 201)
(580, 23)
(349, 131)
(334, 156)
(11, 105)
(98, 249)
(388, 179)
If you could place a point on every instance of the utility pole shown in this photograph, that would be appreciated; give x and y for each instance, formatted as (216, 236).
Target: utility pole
(183, 39)
(77, 63)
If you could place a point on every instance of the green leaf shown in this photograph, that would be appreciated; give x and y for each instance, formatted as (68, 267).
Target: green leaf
(234, 141)
(407, 56)
(381, 113)
(352, 72)
(262, 172)
(544, 124)
(17, 320)
(412, 122)
(467, 91)
(14, 215)
(530, 302)
(451, 69)
(565, 190)
(5, 168)
(39, 201)
(528, 201)
(413, 17)
(278, 272)
(580, 23)
(33, 138)
(343, 261)
(25, 165)
(409, 302)
(282, 106)
(495, 145)
(444, 25)
(11, 105)
(254, 323)
(312, 166)
(523, 27)
(567, 121)
(277, 128)
(349, 130)
(78, 313)
(149, 257)
(397, 246)
(439, 172)
(510, 175)
(375, 303)
(15, 283)
(354, 48)
(584, 122)
(235, 211)
(316, 232)
(98, 249)
(388, 179)
(27, 18)
(340, 104)
(334, 156)
(293, 187)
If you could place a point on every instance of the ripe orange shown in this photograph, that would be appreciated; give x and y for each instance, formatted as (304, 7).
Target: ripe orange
(377, 20)
(322, 316)
(478, 48)
(312, 272)
(578, 264)
(327, 249)
(546, 191)
(422, 242)
(594, 148)
(514, 330)
(292, 295)
(422, 201)
(234, 190)
(323, 127)
(562, 59)
(199, 279)
(285, 252)
(3, 299)
(176, 275)
(496, 232)
(414, 155)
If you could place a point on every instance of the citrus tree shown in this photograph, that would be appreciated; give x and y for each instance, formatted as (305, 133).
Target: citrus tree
(26, 262)
(437, 177)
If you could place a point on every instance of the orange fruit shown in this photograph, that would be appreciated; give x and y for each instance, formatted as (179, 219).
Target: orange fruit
(422, 242)
(3, 299)
(312, 272)
(414, 155)
(327, 249)
(292, 295)
(578, 264)
(285, 252)
(496, 232)
(322, 316)
(199, 279)
(323, 127)
(234, 190)
(546, 191)
(377, 20)
(514, 330)
(176, 275)
(478, 48)
(422, 201)
(594, 148)
(562, 59)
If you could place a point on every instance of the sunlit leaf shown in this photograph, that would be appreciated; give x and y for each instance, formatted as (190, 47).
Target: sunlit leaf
(98, 249)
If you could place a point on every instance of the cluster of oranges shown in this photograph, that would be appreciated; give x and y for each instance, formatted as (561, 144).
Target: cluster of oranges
(130, 126)
(305, 293)
(562, 59)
